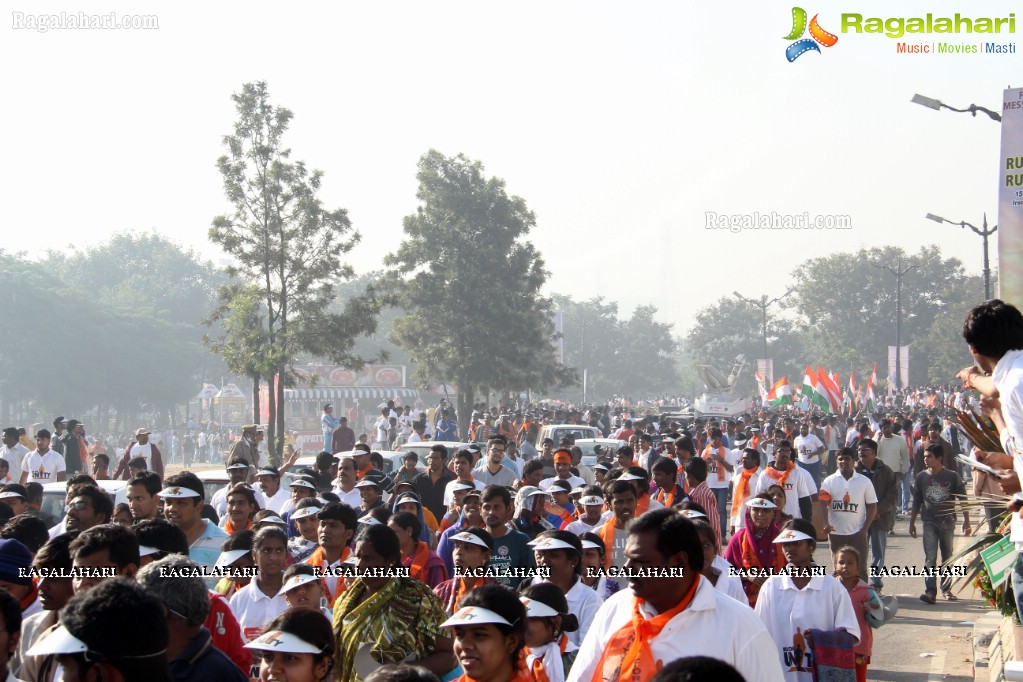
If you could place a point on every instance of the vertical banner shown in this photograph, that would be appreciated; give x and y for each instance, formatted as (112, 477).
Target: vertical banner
(584, 384)
(766, 368)
(559, 327)
(1010, 199)
(903, 368)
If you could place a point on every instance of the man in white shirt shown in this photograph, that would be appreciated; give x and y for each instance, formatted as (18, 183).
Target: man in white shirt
(43, 465)
(14, 452)
(710, 623)
(809, 449)
(796, 482)
(848, 504)
(418, 431)
(381, 427)
(563, 471)
(269, 493)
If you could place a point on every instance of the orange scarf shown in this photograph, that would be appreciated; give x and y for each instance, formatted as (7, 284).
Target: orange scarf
(627, 655)
(83, 451)
(461, 591)
(317, 559)
(521, 673)
(719, 467)
(539, 674)
(607, 534)
(754, 442)
(419, 561)
(642, 504)
(668, 500)
(361, 473)
(231, 530)
(31, 596)
(741, 490)
(779, 476)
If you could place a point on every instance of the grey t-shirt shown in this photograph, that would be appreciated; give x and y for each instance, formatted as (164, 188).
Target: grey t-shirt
(935, 494)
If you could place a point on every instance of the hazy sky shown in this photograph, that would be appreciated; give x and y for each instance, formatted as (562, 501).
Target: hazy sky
(620, 124)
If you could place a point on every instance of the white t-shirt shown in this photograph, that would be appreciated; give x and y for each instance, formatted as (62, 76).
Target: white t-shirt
(275, 503)
(143, 451)
(579, 527)
(847, 501)
(254, 610)
(728, 583)
(712, 469)
(798, 484)
(824, 604)
(44, 468)
(739, 520)
(584, 602)
(382, 426)
(804, 445)
(14, 456)
(1008, 377)
(575, 481)
(449, 495)
(713, 625)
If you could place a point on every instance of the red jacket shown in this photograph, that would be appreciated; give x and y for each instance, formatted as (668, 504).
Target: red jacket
(156, 460)
(227, 633)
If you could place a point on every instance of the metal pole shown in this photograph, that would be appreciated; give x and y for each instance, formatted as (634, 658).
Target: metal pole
(987, 263)
(763, 308)
(898, 326)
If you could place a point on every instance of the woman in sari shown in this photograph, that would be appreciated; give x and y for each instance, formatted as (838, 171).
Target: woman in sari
(752, 547)
(384, 618)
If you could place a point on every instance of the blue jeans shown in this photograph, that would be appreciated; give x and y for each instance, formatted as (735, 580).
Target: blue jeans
(878, 544)
(814, 470)
(906, 492)
(721, 496)
(1017, 584)
(937, 537)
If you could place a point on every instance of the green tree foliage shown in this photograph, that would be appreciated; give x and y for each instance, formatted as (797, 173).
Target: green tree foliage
(847, 305)
(470, 285)
(98, 349)
(635, 357)
(732, 326)
(288, 245)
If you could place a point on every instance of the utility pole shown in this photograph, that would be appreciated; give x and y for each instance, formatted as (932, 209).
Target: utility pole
(984, 234)
(899, 271)
(763, 304)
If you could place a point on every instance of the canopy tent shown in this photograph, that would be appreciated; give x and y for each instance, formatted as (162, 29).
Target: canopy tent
(339, 393)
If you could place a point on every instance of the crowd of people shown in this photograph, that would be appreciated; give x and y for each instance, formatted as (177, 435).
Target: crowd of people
(688, 550)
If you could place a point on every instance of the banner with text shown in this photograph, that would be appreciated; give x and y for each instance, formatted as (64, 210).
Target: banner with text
(1010, 199)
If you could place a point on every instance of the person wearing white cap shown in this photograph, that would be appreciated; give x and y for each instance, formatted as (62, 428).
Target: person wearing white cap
(490, 633)
(472, 548)
(182, 499)
(462, 462)
(297, 646)
(140, 447)
(337, 524)
(303, 520)
(371, 494)
(549, 621)
(269, 493)
(261, 600)
(561, 553)
(237, 472)
(303, 589)
(669, 616)
(115, 632)
(591, 504)
(593, 559)
(791, 604)
(752, 546)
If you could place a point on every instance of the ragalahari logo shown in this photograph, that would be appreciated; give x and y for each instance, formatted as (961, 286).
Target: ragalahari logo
(817, 35)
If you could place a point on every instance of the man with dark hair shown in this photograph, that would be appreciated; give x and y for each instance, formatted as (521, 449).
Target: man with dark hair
(701, 494)
(886, 490)
(683, 612)
(187, 604)
(54, 592)
(269, 493)
(118, 629)
(89, 507)
(34, 497)
(142, 494)
(10, 633)
(431, 485)
(71, 448)
(511, 547)
(14, 452)
(493, 470)
(15, 496)
(158, 538)
(28, 530)
(337, 526)
(15, 560)
(183, 502)
(343, 438)
(935, 491)
(43, 465)
(238, 472)
(101, 550)
(795, 481)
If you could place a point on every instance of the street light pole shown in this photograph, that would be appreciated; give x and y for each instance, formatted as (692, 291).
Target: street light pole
(984, 233)
(763, 303)
(899, 271)
(938, 105)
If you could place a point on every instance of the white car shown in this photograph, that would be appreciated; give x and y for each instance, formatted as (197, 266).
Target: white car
(608, 448)
(54, 494)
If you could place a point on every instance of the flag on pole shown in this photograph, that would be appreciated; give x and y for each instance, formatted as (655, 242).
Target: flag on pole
(812, 390)
(831, 394)
(851, 395)
(761, 388)
(780, 394)
(871, 400)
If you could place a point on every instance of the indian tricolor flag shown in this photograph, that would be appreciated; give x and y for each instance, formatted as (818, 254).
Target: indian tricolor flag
(780, 393)
(871, 399)
(761, 388)
(851, 396)
(812, 391)
(829, 391)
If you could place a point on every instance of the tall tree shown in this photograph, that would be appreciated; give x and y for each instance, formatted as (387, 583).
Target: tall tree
(288, 245)
(646, 361)
(242, 339)
(470, 284)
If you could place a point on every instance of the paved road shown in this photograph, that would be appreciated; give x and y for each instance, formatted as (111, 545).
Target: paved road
(943, 630)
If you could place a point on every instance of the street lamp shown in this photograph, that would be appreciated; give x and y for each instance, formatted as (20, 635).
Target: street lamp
(899, 271)
(762, 304)
(984, 233)
(938, 105)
